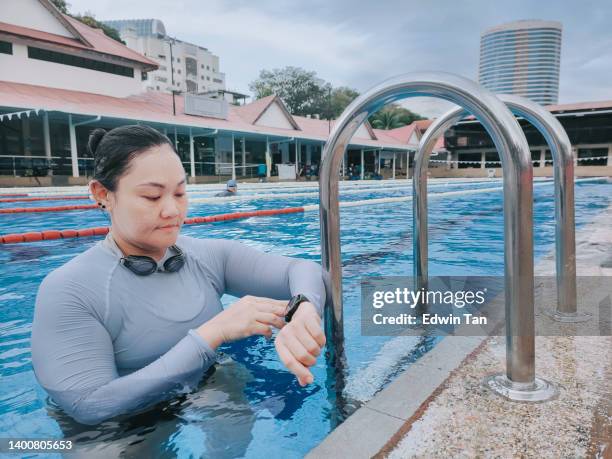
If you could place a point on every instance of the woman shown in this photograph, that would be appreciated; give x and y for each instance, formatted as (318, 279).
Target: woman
(137, 318)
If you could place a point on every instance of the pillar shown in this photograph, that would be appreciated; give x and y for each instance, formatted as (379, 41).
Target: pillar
(542, 157)
(191, 153)
(309, 154)
(407, 165)
(233, 159)
(47, 141)
(243, 156)
(175, 140)
(268, 158)
(73, 147)
(393, 166)
(297, 153)
(26, 139)
(362, 166)
(483, 158)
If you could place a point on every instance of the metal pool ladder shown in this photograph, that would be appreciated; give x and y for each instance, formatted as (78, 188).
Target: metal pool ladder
(563, 163)
(519, 381)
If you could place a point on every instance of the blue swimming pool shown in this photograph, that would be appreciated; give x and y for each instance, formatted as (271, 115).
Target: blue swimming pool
(250, 406)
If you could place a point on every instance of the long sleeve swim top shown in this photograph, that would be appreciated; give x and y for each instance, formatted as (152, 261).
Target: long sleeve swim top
(107, 342)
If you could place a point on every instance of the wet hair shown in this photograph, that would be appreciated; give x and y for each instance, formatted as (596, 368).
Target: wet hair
(114, 150)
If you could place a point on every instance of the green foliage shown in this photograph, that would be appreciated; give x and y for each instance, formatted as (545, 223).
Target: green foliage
(61, 5)
(341, 97)
(88, 19)
(302, 91)
(392, 117)
(306, 94)
(91, 21)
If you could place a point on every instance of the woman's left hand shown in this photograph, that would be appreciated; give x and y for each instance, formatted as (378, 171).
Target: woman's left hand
(299, 342)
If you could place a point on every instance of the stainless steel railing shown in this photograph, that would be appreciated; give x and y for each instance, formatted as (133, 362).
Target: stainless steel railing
(563, 164)
(518, 214)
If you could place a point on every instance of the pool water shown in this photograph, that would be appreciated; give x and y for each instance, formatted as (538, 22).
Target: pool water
(250, 406)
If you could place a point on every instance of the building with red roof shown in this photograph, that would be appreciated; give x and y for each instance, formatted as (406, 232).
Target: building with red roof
(41, 46)
(75, 78)
(210, 134)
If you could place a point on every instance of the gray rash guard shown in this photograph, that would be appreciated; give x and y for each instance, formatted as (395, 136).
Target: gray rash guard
(107, 342)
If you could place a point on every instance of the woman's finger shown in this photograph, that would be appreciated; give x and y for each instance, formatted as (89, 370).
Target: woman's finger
(316, 331)
(298, 350)
(268, 305)
(309, 343)
(261, 329)
(302, 373)
(269, 318)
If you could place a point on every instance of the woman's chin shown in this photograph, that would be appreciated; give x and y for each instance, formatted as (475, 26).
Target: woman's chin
(166, 237)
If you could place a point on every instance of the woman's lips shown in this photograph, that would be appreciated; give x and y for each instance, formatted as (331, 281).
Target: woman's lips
(169, 227)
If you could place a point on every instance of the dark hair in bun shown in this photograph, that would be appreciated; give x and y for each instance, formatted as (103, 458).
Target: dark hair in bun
(114, 150)
(94, 139)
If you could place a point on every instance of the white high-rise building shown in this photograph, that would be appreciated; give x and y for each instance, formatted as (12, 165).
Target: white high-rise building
(523, 58)
(182, 66)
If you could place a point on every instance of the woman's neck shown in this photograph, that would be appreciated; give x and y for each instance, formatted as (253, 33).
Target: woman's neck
(131, 249)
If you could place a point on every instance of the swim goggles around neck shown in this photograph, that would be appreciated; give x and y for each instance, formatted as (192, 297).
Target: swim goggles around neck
(143, 266)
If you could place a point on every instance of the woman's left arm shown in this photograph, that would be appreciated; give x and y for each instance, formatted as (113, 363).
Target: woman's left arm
(247, 271)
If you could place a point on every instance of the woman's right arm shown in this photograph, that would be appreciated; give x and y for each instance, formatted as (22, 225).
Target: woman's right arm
(73, 359)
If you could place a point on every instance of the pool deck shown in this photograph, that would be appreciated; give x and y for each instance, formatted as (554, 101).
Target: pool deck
(438, 407)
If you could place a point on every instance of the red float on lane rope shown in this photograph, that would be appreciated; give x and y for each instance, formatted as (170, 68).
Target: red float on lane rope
(43, 198)
(16, 210)
(102, 230)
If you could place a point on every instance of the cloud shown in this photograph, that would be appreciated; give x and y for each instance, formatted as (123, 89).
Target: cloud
(359, 44)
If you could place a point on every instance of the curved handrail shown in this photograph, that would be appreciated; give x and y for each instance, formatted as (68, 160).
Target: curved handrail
(510, 141)
(563, 163)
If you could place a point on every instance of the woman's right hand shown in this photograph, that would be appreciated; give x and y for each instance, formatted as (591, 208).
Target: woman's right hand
(250, 315)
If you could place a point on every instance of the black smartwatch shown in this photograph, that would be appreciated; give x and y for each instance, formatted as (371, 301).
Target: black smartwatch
(294, 304)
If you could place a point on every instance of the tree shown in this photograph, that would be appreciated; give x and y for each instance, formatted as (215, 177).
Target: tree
(393, 116)
(88, 19)
(302, 91)
(306, 94)
(341, 97)
(61, 5)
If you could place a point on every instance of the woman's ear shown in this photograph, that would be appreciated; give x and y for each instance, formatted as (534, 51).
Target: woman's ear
(99, 193)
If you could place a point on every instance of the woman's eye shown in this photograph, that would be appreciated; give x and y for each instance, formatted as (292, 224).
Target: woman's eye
(180, 195)
(151, 198)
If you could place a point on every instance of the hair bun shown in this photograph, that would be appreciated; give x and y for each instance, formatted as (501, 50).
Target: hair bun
(94, 140)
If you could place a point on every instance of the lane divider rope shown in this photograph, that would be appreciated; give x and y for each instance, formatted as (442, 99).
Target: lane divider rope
(103, 230)
(204, 188)
(220, 199)
(47, 235)
(17, 210)
(43, 198)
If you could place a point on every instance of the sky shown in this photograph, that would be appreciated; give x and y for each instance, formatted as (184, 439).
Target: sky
(359, 44)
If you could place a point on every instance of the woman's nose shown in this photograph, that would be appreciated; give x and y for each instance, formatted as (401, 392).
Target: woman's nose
(170, 208)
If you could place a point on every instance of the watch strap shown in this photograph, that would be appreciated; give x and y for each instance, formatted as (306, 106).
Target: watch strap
(293, 305)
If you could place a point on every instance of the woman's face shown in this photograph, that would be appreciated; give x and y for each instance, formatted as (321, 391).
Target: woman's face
(150, 202)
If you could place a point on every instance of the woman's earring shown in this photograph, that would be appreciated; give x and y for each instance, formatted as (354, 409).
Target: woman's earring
(103, 206)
